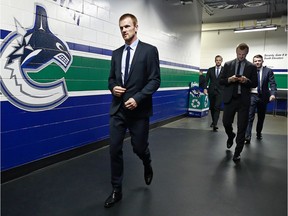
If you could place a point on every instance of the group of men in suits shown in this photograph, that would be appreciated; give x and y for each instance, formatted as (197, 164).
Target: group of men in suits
(244, 88)
(135, 76)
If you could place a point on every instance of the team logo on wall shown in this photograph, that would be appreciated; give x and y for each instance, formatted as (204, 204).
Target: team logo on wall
(30, 50)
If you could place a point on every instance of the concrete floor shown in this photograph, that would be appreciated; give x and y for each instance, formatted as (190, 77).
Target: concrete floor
(194, 175)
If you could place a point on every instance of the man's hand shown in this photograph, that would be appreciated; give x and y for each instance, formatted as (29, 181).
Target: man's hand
(242, 79)
(233, 79)
(130, 104)
(272, 98)
(118, 91)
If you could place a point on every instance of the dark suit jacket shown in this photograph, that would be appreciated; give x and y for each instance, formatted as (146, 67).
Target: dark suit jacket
(202, 82)
(143, 80)
(250, 71)
(266, 81)
(213, 81)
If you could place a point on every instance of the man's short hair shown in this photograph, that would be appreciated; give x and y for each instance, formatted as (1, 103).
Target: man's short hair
(258, 56)
(243, 46)
(134, 19)
(218, 56)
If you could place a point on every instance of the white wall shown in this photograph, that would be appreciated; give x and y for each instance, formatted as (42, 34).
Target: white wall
(95, 23)
(224, 42)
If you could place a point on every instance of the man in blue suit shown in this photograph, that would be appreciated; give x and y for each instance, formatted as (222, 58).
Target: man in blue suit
(134, 78)
(260, 97)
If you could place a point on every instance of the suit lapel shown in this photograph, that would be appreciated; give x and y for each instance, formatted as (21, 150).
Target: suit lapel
(136, 55)
(119, 62)
(233, 67)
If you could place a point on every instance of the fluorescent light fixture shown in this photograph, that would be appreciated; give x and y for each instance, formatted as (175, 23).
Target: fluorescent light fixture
(256, 28)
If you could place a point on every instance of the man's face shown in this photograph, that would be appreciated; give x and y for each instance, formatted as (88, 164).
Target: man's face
(241, 54)
(258, 62)
(218, 61)
(128, 30)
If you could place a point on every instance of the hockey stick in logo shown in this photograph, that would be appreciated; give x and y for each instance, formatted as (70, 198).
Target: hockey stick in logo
(32, 50)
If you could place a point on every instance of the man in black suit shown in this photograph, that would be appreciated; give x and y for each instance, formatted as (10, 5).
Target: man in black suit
(260, 97)
(238, 77)
(202, 82)
(215, 90)
(134, 77)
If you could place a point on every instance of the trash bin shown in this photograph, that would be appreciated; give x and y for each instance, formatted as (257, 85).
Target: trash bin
(198, 102)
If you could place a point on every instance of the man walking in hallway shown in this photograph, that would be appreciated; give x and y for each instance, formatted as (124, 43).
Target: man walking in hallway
(260, 97)
(238, 77)
(134, 78)
(215, 90)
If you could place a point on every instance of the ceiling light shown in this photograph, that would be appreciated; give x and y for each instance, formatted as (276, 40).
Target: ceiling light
(256, 28)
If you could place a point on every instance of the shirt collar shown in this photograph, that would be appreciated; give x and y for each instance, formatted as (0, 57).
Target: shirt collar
(133, 45)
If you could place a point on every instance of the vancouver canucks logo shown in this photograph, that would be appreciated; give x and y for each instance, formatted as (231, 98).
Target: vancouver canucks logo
(29, 51)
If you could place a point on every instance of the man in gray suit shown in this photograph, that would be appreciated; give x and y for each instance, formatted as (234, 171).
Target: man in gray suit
(260, 97)
(215, 90)
(134, 77)
(238, 77)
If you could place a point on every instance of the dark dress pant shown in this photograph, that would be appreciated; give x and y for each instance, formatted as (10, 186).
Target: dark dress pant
(257, 104)
(139, 132)
(215, 101)
(236, 105)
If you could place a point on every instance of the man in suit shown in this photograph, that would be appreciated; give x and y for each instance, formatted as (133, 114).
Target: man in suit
(215, 90)
(202, 82)
(260, 97)
(238, 77)
(134, 77)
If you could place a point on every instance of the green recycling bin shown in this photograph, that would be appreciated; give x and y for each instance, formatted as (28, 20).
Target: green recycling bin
(198, 102)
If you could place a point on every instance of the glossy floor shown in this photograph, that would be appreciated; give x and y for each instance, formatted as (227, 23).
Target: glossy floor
(194, 175)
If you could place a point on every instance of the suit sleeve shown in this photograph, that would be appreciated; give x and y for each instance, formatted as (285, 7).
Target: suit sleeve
(224, 75)
(153, 71)
(207, 78)
(272, 82)
(252, 81)
(112, 77)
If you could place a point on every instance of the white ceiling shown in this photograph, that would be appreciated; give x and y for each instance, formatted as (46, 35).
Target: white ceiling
(239, 10)
(215, 11)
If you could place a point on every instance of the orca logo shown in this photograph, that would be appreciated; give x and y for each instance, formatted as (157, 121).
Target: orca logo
(30, 50)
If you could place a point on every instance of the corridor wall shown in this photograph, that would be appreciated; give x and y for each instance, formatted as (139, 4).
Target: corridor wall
(272, 45)
(55, 61)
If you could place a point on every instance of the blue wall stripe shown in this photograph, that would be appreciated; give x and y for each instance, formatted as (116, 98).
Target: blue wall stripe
(79, 121)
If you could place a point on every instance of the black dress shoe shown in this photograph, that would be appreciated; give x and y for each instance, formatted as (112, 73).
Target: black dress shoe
(247, 141)
(230, 140)
(215, 128)
(114, 197)
(259, 136)
(148, 174)
(236, 158)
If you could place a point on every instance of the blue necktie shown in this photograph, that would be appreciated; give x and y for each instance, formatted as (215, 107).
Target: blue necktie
(238, 73)
(127, 64)
(238, 69)
(259, 82)
(217, 72)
